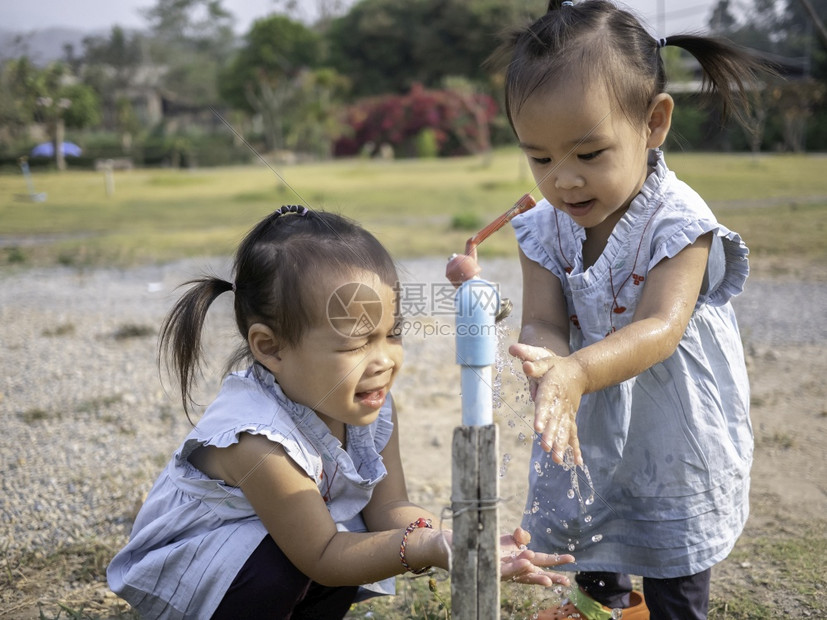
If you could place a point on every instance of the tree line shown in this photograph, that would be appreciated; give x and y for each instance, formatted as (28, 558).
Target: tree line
(378, 74)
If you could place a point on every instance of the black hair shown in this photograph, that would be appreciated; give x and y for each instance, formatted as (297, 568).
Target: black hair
(596, 39)
(275, 268)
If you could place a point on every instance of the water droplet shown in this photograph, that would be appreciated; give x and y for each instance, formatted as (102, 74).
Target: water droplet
(521, 437)
(588, 518)
(597, 537)
(572, 547)
(538, 468)
(570, 494)
(617, 614)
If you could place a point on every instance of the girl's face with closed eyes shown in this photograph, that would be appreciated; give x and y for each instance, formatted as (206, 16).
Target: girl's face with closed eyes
(587, 158)
(344, 365)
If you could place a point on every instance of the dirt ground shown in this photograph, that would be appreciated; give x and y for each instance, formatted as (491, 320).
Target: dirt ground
(789, 478)
(788, 494)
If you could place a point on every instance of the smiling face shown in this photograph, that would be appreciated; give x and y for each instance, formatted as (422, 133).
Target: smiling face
(587, 158)
(343, 374)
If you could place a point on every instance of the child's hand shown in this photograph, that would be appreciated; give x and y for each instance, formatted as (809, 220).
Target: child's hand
(524, 566)
(462, 267)
(555, 383)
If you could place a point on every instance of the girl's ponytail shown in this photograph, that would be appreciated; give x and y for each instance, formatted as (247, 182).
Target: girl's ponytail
(180, 341)
(729, 72)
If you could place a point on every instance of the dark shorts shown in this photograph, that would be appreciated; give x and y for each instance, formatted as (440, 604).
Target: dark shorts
(269, 586)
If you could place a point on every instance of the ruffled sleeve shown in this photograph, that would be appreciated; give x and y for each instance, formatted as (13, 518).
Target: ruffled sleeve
(537, 233)
(733, 262)
(298, 450)
(267, 413)
(687, 219)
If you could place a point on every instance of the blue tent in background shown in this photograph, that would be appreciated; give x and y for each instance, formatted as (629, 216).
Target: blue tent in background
(47, 149)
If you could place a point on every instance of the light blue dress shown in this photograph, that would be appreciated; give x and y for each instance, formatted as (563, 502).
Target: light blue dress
(193, 534)
(669, 451)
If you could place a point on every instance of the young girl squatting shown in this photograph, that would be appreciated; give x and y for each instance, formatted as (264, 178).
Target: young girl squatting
(628, 337)
(288, 494)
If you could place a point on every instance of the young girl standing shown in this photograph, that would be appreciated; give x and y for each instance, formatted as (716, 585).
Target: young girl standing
(289, 492)
(628, 337)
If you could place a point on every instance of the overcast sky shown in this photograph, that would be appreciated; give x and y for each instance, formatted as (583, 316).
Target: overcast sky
(675, 15)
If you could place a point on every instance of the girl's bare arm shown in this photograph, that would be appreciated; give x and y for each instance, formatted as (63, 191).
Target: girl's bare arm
(289, 504)
(389, 507)
(545, 321)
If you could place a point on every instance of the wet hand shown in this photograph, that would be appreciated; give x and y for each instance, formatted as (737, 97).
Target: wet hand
(555, 384)
(519, 564)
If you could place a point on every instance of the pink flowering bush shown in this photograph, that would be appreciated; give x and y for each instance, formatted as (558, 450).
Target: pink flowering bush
(456, 123)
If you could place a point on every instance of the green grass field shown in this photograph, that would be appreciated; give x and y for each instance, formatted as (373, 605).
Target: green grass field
(416, 207)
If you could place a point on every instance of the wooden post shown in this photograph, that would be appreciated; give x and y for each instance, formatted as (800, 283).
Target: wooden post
(475, 569)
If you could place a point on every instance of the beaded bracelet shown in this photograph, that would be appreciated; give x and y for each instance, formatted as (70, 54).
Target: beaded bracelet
(420, 522)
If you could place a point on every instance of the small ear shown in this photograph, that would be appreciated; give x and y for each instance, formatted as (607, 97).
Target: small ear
(659, 119)
(263, 345)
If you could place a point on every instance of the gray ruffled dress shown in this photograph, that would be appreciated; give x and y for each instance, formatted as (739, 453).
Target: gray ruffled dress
(193, 534)
(669, 451)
